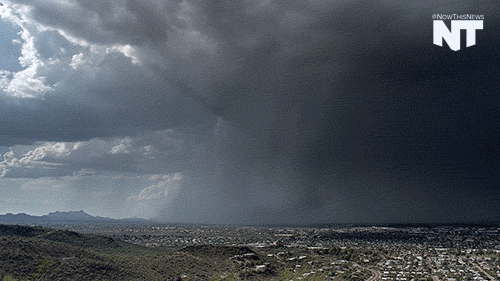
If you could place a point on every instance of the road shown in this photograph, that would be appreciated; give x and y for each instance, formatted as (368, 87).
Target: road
(484, 272)
(377, 275)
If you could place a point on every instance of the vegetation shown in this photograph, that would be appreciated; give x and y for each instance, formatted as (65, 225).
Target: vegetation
(176, 253)
(33, 253)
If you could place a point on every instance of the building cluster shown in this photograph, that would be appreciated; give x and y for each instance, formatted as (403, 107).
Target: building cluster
(351, 253)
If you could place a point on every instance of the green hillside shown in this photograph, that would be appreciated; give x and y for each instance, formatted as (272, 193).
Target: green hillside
(34, 253)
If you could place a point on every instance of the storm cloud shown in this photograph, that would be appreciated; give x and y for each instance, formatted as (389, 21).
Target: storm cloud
(269, 112)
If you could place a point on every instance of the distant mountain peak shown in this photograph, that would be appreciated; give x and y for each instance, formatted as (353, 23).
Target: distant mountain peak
(69, 212)
(70, 215)
(57, 217)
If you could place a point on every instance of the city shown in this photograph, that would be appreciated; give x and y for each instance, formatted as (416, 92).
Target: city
(440, 252)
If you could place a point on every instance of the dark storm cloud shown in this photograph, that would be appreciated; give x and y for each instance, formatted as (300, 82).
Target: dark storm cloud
(115, 101)
(364, 105)
(341, 111)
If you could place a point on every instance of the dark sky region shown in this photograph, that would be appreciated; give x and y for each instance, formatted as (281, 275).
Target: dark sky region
(249, 111)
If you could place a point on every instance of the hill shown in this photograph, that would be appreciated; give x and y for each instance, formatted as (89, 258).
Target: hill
(36, 253)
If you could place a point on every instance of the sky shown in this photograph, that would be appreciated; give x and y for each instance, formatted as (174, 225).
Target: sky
(249, 112)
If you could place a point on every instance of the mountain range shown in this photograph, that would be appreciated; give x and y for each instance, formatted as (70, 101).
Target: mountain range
(59, 217)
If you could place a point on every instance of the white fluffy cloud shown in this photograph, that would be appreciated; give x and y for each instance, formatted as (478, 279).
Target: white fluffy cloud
(79, 83)
(26, 83)
(162, 190)
(145, 153)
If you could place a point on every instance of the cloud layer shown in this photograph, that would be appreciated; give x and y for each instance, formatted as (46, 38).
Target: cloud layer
(304, 111)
